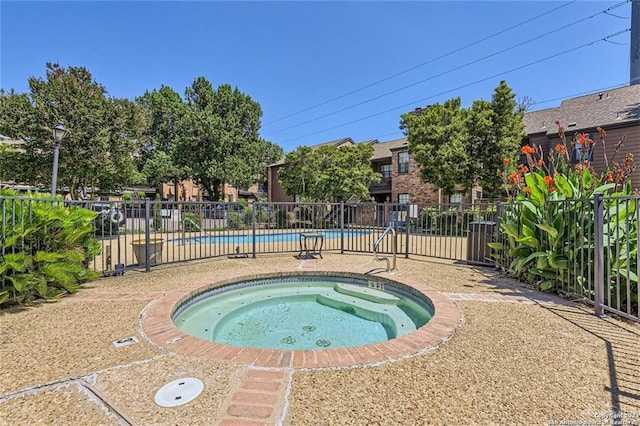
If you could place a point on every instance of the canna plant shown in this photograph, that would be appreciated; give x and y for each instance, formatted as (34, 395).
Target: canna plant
(548, 231)
(46, 248)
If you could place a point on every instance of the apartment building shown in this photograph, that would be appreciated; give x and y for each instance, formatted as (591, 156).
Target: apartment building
(400, 182)
(617, 111)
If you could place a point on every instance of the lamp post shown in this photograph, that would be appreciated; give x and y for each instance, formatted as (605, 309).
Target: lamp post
(58, 133)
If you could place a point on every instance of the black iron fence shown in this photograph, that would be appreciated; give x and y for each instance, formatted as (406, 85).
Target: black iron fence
(599, 245)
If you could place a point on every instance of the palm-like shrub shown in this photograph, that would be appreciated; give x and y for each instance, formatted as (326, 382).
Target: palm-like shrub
(46, 248)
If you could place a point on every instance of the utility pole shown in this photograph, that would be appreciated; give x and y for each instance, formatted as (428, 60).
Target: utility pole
(634, 53)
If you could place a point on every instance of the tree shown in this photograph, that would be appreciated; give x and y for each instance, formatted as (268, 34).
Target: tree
(507, 133)
(329, 173)
(219, 138)
(163, 110)
(437, 139)
(458, 148)
(103, 132)
(269, 153)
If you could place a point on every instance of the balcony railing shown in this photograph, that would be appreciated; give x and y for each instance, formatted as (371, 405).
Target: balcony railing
(383, 185)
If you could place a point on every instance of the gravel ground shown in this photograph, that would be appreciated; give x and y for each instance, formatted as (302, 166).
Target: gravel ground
(65, 339)
(508, 363)
(132, 396)
(68, 405)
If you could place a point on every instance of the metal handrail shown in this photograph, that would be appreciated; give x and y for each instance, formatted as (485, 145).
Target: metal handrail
(185, 219)
(394, 250)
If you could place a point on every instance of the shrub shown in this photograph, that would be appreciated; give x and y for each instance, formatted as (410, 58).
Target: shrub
(552, 222)
(281, 217)
(47, 248)
(191, 222)
(235, 220)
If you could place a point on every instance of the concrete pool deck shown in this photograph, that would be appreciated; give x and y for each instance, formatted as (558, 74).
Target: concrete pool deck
(518, 357)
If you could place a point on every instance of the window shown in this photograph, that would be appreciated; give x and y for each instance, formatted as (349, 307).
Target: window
(386, 170)
(455, 198)
(403, 198)
(403, 162)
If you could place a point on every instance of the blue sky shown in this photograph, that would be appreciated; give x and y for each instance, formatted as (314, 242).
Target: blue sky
(293, 56)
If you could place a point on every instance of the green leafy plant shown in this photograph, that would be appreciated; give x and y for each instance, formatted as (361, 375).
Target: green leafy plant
(551, 222)
(47, 248)
(191, 222)
(235, 220)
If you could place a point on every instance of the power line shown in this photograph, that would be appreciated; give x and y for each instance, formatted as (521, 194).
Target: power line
(573, 95)
(422, 64)
(366, 101)
(465, 85)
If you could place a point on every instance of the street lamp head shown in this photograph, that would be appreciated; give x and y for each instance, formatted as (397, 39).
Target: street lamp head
(58, 133)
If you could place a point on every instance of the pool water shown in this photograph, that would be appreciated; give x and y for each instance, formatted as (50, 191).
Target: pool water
(296, 323)
(302, 315)
(265, 238)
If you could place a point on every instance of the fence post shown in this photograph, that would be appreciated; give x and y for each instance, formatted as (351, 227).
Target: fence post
(147, 235)
(342, 227)
(253, 227)
(599, 255)
(407, 225)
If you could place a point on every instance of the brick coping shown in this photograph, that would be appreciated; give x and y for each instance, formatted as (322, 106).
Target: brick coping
(158, 327)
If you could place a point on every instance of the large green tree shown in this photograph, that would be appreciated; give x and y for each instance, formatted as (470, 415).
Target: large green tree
(219, 141)
(163, 111)
(437, 140)
(329, 173)
(103, 132)
(458, 147)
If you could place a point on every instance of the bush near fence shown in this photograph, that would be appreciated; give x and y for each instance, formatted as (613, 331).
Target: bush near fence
(47, 246)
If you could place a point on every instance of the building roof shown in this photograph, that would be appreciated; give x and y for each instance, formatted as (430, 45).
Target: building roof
(335, 142)
(382, 150)
(601, 109)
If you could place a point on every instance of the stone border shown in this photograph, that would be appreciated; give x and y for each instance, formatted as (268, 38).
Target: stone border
(156, 323)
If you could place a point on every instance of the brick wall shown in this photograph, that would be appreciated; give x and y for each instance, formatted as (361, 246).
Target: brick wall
(419, 192)
(274, 189)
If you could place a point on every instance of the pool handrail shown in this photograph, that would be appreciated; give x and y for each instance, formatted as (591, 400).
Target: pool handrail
(391, 229)
(185, 219)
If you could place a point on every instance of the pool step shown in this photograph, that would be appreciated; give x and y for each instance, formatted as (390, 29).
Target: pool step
(390, 316)
(367, 293)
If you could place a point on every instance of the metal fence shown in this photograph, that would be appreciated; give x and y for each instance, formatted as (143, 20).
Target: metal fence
(585, 248)
(600, 243)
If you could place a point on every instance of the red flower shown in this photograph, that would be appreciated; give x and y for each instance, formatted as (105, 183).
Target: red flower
(527, 149)
(506, 161)
(549, 181)
(560, 148)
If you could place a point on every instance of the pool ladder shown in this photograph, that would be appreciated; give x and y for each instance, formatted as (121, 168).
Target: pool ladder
(390, 229)
(184, 232)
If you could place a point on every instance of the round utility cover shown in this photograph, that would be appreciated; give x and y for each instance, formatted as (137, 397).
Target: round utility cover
(179, 392)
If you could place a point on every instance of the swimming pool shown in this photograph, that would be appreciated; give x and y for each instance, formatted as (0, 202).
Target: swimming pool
(276, 237)
(304, 312)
